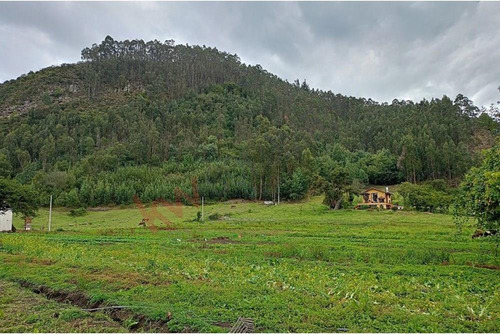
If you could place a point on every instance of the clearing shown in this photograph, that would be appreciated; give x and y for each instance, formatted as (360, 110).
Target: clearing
(295, 267)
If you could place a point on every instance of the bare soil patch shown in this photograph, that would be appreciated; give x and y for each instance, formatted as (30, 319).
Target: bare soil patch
(484, 266)
(222, 240)
(117, 313)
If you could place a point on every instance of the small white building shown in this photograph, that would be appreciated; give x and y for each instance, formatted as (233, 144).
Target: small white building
(6, 220)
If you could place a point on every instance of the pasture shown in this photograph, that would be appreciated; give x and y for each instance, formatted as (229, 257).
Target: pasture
(295, 267)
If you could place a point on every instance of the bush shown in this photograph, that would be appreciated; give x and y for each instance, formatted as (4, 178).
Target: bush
(214, 216)
(78, 212)
(426, 197)
(479, 194)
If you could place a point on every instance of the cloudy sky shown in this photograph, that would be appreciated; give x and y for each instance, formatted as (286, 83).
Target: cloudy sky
(379, 50)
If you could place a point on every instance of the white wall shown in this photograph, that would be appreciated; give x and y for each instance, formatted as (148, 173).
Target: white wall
(5, 220)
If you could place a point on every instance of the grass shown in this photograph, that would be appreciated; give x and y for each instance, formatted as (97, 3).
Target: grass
(294, 267)
(24, 311)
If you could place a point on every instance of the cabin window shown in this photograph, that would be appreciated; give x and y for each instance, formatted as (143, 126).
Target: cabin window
(375, 197)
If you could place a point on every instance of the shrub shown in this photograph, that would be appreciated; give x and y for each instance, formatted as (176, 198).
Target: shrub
(426, 197)
(214, 216)
(78, 212)
(479, 194)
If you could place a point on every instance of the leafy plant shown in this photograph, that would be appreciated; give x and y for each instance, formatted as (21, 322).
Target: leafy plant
(78, 212)
(479, 195)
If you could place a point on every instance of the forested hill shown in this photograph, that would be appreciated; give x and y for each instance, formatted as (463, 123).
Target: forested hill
(142, 118)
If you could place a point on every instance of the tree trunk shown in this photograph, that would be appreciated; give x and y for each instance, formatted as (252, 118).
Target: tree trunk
(260, 194)
(278, 186)
(337, 204)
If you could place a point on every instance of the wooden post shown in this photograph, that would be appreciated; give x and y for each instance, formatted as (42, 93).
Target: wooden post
(50, 212)
(202, 208)
(278, 185)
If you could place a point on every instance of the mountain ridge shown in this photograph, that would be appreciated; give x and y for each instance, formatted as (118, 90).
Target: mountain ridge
(199, 112)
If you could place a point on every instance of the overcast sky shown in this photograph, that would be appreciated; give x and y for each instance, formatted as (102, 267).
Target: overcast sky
(380, 50)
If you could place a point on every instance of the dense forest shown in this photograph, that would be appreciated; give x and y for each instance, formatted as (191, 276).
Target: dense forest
(142, 118)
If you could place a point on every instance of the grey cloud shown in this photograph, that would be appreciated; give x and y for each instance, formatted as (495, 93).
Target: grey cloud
(379, 50)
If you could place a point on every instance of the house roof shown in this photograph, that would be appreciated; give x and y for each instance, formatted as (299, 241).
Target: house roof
(373, 188)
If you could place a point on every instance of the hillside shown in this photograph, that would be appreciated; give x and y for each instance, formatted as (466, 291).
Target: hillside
(143, 118)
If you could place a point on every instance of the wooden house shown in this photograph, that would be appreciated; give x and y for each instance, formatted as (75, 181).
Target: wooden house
(376, 198)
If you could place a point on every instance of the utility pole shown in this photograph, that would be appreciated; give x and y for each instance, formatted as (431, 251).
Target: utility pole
(278, 185)
(202, 208)
(50, 212)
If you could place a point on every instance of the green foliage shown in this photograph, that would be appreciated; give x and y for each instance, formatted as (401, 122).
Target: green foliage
(69, 199)
(382, 168)
(198, 216)
(433, 196)
(480, 191)
(214, 216)
(21, 198)
(5, 166)
(296, 187)
(335, 185)
(71, 315)
(77, 212)
(240, 130)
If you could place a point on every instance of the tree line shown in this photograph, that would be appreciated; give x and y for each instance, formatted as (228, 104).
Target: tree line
(152, 116)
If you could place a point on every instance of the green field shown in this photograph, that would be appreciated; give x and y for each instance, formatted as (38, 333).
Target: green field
(294, 267)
